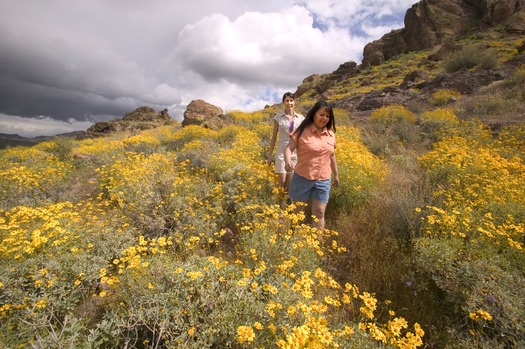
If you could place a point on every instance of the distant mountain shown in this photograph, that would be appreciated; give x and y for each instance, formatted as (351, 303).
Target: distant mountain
(14, 140)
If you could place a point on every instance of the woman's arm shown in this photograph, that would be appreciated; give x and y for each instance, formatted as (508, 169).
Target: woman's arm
(335, 171)
(272, 141)
(288, 165)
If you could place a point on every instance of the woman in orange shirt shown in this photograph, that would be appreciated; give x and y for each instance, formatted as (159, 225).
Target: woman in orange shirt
(314, 142)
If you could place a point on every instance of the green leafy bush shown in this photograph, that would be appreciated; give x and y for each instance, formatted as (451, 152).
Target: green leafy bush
(471, 56)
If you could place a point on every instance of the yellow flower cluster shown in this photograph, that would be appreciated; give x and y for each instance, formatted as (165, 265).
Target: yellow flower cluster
(157, 244)
(245, 334)
(26, 174)
(369, 305)
(392, 114)
(25, 231)
(143, 142)
(440, 116)
(131, 257)
(360, 171)
(246, 118)
(444, 96)
(186, 134)
(314, 334)
(244, 151)
(101, 147)
(304, 285)
(477, 178)
(480, 314)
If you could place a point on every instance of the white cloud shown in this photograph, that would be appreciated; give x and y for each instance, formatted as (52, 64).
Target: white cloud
(255, 50)
(263, 47)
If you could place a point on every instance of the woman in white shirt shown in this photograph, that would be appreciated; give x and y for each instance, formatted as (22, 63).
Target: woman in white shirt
(284, 124)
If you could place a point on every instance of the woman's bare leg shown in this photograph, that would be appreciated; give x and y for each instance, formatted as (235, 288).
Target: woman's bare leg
(288, 180)
(318, 210)
(282, 179)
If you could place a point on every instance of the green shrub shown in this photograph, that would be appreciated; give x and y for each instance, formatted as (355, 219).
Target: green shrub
(469, 57)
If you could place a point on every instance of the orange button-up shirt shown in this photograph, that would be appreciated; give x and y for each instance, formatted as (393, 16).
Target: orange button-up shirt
(314, 150)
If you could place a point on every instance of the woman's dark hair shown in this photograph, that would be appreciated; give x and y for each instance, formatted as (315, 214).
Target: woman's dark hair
(288, 94)
(309, 119)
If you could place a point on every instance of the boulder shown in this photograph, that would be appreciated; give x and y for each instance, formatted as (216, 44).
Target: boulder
(516, 23)
(521, 48)
(416, 76)
(445, 50)
(201, 113)
(390, 45)
(345, 71)
(146, 114)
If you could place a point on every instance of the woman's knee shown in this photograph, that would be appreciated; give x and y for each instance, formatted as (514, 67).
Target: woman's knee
(318, 209)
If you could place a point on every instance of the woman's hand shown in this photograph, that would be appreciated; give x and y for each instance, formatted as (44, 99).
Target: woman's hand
(288, 164)
(335, 181)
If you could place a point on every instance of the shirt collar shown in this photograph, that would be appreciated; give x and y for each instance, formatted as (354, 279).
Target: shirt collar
(295, 115)
(314, 129)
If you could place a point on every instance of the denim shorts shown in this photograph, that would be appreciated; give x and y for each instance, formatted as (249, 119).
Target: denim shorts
(302, 189)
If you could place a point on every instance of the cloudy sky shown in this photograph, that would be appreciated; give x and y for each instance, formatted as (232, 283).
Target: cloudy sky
(65, 64)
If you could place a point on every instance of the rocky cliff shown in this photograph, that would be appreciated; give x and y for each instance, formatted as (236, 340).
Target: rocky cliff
(434, 22)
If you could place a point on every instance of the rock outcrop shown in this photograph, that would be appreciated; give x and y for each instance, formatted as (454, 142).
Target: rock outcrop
(207, 115)
(142, 118)
(321, 83)
(432, 22)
